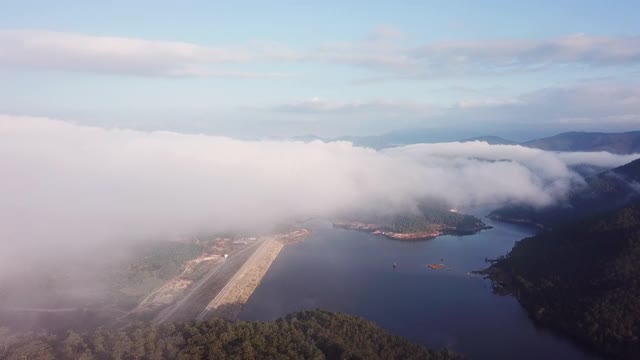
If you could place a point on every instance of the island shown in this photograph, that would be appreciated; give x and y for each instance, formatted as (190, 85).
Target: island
(428, 222)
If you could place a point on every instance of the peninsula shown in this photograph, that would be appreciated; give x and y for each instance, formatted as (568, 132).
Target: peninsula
(427, 224)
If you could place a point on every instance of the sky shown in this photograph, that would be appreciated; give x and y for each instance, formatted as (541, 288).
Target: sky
(257, 69)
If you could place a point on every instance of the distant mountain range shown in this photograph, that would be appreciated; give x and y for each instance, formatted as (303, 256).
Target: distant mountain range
(618, 143)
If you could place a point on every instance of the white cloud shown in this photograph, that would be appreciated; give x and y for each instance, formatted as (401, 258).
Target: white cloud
(486, 102)
(491, 56)
(377, 52)
(388, 51)
(579, 48)
(599, 158)
(121, 55)
(387, 32)
(67, 189)
(589, 104)
(581, 106)
(381, 107)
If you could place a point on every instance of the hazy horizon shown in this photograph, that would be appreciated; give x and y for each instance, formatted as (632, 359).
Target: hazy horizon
(517, 70)
(86, 186)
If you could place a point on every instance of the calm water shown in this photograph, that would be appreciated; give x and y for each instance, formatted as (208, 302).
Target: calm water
(352, 272)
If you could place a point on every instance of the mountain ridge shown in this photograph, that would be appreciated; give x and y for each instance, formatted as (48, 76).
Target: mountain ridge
(615, 142)
(618, 143)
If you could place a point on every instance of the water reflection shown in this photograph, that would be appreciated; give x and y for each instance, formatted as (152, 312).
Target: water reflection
(353, 272)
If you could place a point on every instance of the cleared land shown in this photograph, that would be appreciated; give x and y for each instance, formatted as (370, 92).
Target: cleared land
(228, 285)
(164, 281)
(206, 288)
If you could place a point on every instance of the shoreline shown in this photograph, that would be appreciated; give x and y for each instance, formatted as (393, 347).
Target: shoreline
(504, 283)
(376, 229)
(228, 303)
(229, 282)
(517, 221)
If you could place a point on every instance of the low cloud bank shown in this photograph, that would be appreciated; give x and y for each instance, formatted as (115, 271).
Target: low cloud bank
(67, 188)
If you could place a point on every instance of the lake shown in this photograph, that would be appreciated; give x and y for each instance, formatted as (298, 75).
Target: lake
(352, 272)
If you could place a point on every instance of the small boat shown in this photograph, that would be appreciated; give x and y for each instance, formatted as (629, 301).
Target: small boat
(435, 266)
(395, 265)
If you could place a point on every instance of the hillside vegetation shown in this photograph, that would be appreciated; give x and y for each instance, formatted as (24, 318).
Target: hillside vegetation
(304, 335)
(432, 218)
(150, 267)
(582, 280)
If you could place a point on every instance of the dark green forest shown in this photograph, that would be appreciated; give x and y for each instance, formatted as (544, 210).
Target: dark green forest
(304, 335)
(582, 280)
(430, 215)
(436, 219)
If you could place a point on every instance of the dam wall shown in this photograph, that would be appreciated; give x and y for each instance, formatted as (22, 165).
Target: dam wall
(229, 301)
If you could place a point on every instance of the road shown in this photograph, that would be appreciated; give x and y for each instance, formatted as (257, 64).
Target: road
(199, 296)
(229, 301)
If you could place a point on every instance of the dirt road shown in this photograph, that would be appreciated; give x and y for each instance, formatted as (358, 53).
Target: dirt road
(206, 288)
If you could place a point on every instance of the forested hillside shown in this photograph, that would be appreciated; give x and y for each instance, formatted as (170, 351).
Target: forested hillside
(582, 280)
(604, 192)
(430, 218)
(304, 335)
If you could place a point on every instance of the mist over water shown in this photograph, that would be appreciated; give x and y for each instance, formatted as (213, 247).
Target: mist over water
(351, 271)
(68, 190)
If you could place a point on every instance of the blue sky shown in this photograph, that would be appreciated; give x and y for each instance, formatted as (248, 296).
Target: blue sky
(331, 68)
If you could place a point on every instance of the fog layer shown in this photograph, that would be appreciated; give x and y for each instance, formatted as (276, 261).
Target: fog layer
(67, 188)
